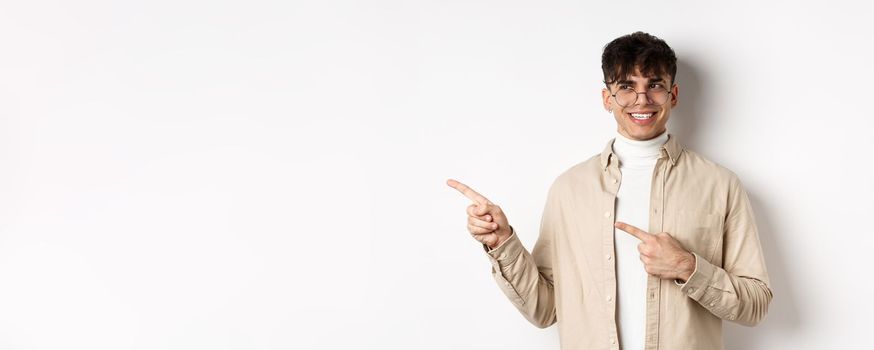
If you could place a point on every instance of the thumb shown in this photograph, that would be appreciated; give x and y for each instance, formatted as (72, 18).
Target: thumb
(482, 209)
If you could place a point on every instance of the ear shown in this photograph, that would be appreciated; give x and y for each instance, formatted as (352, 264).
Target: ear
(675, 95)
(605, 96)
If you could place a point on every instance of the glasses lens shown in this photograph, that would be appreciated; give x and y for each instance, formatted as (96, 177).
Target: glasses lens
(626, 97)
(658, 96)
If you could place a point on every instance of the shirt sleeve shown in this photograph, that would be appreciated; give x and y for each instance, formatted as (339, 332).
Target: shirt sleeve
(738, 291)
(526, 278)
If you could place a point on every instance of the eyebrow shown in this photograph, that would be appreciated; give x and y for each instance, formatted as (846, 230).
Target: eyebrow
(650, 80)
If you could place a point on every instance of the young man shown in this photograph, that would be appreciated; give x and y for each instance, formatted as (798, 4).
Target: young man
(645, 245)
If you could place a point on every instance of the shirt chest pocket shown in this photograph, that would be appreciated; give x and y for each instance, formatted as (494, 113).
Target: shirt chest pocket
(700, 232)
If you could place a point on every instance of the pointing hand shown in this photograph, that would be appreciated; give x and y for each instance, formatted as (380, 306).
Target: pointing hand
(662, 255)
(486, 221)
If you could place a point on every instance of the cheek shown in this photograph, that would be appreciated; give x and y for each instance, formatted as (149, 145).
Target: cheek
(665, 115)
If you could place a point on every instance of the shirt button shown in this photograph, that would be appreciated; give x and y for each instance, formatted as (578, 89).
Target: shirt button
(609, 257)
(609, 298)
(615, 181)
(612, 341)
(712, 304)
(606, 214)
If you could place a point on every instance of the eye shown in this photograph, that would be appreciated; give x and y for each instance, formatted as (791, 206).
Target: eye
(656, 86)
(624, 87)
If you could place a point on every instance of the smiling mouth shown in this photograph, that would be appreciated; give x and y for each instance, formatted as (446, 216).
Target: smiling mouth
(642, 115)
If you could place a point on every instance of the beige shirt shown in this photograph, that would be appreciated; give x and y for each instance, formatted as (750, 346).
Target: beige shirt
(570, 276)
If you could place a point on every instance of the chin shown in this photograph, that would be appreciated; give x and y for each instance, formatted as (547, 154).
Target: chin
(644, 134)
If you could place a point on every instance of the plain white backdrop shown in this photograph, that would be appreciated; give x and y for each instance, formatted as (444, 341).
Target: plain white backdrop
(270, 174)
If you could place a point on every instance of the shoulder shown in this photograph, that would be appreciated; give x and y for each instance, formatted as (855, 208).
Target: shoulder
(702, 167)
(580, 174)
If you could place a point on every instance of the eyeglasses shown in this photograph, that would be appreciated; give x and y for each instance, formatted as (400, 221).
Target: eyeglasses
(627, 96)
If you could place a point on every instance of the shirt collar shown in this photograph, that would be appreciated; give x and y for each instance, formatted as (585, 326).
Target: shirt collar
(672, 147)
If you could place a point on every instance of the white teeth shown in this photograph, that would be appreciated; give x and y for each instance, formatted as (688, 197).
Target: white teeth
(641, 116)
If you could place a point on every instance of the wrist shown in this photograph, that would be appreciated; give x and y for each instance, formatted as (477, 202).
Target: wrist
(493, 246)
(688, 267)
(501, 239)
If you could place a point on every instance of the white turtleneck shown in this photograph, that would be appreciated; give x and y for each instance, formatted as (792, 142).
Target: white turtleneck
(637, 160)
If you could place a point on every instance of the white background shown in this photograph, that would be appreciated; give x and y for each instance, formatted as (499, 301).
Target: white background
(270, 175)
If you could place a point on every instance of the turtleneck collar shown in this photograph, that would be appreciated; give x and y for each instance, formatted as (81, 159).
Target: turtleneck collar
(634, 153)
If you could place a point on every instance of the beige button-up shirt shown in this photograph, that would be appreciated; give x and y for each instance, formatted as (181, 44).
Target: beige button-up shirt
(570, 276)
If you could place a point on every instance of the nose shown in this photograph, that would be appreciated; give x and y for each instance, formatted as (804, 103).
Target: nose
(646, 99)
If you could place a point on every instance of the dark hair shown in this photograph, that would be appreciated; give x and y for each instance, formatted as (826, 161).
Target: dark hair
(638, 49)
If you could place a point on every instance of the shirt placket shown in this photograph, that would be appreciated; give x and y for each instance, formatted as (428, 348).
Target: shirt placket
(611, 181)
(656, 224)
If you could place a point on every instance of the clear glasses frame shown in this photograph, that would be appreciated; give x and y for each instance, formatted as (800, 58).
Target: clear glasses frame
(658, 96)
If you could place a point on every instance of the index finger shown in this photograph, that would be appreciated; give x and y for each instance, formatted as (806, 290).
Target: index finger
(468, 192)
(634, 231)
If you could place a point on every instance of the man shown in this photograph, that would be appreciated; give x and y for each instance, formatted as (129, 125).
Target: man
(647, 245)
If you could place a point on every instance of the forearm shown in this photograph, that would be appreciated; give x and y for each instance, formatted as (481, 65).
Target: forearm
(519, 277)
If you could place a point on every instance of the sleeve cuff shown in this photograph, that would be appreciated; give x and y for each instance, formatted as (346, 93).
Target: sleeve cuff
(699, 280)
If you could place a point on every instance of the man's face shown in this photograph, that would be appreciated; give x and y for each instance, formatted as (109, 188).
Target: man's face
(642, 119)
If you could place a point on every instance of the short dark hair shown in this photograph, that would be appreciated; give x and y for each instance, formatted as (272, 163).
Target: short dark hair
(638, 49)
